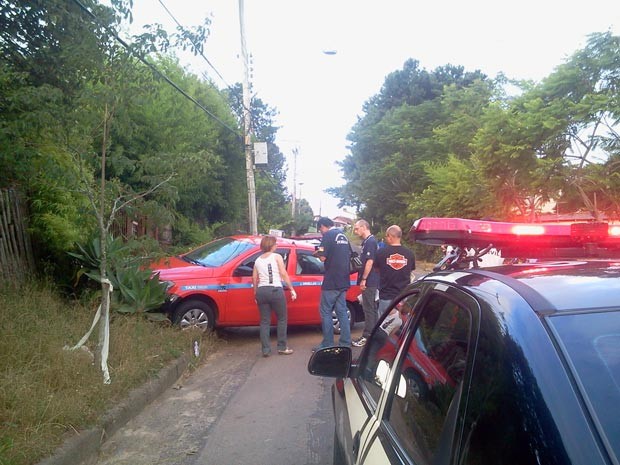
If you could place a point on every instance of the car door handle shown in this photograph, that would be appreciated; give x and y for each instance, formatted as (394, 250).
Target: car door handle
(356, 445)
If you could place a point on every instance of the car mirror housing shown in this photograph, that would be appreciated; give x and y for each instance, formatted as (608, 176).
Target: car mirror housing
(332, 362)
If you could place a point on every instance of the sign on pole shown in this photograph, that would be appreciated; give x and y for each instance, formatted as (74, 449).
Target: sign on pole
(260, 153)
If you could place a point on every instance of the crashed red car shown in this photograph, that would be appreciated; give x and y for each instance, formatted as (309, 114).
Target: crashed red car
(211, 286)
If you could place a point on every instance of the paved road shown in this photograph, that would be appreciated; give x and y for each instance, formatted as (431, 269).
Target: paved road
(237, 408)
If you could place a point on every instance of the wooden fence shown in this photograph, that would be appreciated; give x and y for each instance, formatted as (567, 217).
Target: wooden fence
(16, 259)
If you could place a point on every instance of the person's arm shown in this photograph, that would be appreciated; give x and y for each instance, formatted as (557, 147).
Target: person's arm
(365, 272)
(255, 278)
(284, 275)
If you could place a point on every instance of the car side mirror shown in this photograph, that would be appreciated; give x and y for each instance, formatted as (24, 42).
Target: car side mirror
(333, 362)
(243, 271)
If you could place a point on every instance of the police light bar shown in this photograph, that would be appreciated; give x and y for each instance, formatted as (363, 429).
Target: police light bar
(517, 238)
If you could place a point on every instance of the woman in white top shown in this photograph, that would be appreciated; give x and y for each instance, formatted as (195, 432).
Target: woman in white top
(267, 277)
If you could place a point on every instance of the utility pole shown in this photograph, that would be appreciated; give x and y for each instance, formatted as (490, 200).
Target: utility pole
(247, 130)
(294, 207)
(295, 153)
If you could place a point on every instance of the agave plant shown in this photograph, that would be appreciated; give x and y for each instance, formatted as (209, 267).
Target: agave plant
(139, 291)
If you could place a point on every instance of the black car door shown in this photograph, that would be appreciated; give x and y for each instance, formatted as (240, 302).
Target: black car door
(425, 396)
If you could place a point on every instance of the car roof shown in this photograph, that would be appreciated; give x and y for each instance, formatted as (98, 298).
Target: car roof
(280, 241)
(551, 286)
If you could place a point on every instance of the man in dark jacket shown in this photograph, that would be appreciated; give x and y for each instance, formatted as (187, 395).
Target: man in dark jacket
(335, 252)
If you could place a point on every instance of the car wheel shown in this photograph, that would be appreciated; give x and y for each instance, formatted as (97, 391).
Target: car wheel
(416, 387)
(195, 314)
(350, 315)
(339, 458)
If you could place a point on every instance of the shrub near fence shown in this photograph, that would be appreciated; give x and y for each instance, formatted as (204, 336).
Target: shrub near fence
(16, 259)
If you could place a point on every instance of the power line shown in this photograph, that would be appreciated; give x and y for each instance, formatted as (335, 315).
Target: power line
(195, 45)
(157, 71)
(228, 86)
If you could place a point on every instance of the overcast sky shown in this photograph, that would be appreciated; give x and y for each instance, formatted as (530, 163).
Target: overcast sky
(319, 96)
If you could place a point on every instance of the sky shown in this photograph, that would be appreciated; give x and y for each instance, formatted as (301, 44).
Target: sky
(320, 96)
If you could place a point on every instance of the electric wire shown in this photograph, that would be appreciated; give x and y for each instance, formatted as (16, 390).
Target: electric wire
(195, 45)
(180, 26)
(157, 71)
(168, 80)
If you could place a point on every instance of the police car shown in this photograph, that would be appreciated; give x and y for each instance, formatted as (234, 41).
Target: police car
(513, 364)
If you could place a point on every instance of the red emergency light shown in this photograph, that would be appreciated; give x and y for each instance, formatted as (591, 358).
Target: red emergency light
(517, 239)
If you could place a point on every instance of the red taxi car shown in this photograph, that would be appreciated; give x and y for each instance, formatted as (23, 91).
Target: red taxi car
(211, 286)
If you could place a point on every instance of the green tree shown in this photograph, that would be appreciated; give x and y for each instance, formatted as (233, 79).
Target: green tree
(394, 141)
(581, 104)
(163, 133)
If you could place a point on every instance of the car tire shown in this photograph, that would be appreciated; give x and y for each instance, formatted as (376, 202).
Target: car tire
(339, 457)
(416, 386)
(195, 314)
(350, 314)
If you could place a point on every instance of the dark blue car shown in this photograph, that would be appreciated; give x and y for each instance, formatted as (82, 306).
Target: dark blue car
(515, 364)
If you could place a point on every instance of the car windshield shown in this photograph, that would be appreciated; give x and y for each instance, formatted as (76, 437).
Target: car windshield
(218, 252)
(592, 343)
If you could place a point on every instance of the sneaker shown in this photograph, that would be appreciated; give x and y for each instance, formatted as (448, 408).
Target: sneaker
(359, 342)
(266, 354)
(286, 351)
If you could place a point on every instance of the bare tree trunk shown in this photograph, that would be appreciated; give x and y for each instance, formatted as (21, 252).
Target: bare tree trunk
(101, 355)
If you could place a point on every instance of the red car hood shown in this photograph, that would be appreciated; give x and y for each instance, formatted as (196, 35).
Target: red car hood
(173, 268)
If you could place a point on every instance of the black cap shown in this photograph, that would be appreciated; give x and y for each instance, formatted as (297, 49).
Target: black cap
(324, 221)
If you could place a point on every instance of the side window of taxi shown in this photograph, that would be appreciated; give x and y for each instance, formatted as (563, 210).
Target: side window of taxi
(309, 264)
(427, 383)
(383, 347)
(246, 266)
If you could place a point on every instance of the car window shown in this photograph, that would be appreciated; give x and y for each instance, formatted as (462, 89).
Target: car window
(383, 347)
(218, 252)
(592, 343)
(246, 267)
(308, 263)
(423, 408)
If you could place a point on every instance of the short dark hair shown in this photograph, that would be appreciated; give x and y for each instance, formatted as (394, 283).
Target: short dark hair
(324, 221)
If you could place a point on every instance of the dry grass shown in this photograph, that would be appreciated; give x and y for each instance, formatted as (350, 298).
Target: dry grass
(47, 392)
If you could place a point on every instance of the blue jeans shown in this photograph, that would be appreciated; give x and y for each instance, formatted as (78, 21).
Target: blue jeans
(271, 298)
(383, 305)
(334, 300)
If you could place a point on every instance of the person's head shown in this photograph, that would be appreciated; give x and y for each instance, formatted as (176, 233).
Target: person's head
(267, 243)
(324, 223)
(393, 235)
(361, 228)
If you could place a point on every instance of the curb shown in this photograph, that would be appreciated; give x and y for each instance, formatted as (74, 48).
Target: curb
(84, 447)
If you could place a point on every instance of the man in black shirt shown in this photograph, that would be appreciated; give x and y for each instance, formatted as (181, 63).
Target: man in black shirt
(395, 263)
(335, 251)
(368, 279)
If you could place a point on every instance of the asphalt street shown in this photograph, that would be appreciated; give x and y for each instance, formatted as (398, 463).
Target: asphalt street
(236, 408)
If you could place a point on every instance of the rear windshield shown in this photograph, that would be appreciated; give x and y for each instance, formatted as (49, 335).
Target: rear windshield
(592, 343)
(218, 252)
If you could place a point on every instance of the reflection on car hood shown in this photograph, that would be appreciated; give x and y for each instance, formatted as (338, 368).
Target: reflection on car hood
(173, 268)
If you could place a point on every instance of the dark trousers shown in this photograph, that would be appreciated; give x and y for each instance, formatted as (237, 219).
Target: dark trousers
(271, 298)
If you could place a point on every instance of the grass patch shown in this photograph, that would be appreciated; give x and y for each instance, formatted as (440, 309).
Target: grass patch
(48, 393)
